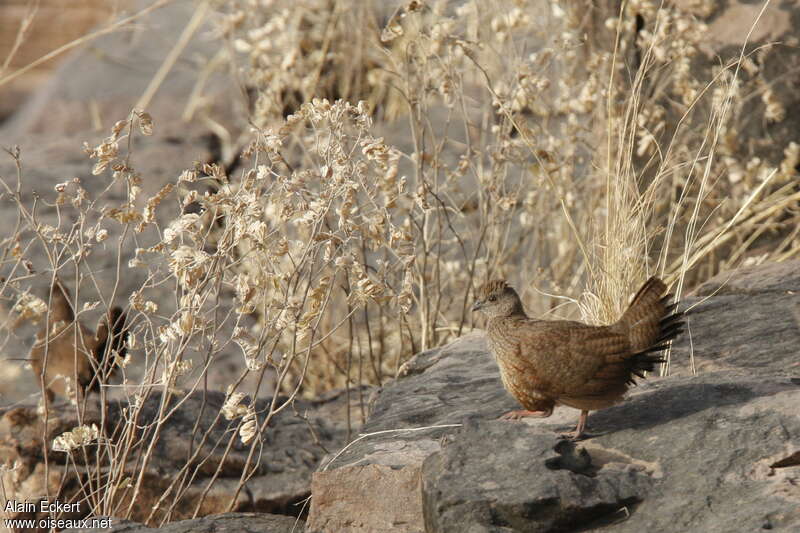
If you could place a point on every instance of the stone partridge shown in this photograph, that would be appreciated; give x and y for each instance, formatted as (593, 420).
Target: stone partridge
(544, 363)
(71, 352)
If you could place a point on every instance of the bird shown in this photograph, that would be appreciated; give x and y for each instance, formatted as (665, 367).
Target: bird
(66, 349)
(544, 363)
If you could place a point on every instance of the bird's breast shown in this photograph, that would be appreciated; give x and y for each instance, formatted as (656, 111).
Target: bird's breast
(517, 369)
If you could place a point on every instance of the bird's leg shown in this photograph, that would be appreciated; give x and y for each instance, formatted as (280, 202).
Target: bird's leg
(524, 413)
(578, 434)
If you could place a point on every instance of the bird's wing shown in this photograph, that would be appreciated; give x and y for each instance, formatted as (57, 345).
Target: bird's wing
(571, 358)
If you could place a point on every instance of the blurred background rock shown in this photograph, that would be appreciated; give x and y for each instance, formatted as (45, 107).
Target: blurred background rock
(46, 27)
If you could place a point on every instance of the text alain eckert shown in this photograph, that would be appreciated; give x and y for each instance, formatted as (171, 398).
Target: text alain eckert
(43, 506)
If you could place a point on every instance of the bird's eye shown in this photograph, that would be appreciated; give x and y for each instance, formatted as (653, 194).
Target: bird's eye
(492, 298)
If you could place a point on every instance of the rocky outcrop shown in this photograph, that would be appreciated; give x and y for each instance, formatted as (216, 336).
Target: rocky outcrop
(233, 522)
(196, 464)
(679, 455)
(92, 88)
(739, 24)
(707, 452)
(103, 80)
(55, 23)
(746, 321)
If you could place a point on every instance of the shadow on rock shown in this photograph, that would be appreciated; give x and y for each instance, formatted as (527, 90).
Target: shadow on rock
(667, 404)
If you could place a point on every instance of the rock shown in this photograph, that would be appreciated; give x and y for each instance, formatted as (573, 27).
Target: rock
(522, 487)
(765, 126)
(681, 454)
(54, 25)
(744, 321)
(102, 81)
(334, 494)
(707, 452)
(221, 523)
(289, 452)
(54, 159)
(105, 79)
(779, 279)
(444, 388)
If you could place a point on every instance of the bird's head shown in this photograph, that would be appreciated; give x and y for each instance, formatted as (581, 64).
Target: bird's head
(496, 299)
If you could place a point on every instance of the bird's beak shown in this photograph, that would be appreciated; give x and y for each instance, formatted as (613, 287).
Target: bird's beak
(477, 305)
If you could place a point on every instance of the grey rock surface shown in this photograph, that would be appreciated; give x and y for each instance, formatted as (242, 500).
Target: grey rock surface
(704, 452)
(680, 455)
(745, 321)
(103, 80)
(445, 387)
(289, 451)
(221, 523)
(95, 86)
(741, 23)
(197, 461)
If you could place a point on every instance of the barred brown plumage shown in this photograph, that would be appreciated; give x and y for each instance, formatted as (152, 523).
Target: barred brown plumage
(544, 363)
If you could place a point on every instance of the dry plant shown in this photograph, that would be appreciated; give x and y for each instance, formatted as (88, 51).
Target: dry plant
(389, 171)
(576, 165)
(686, 195)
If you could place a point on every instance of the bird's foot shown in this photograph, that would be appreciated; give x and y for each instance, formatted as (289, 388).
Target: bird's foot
(574, 436)
(523, 413)
(578, 433)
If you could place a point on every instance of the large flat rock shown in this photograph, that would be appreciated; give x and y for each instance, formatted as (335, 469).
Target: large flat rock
(691, 454)
(710, 451)
(747, 321)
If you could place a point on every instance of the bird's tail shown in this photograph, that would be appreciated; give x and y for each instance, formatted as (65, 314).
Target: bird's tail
(112, 330)
(59, 303)
(650, 322)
